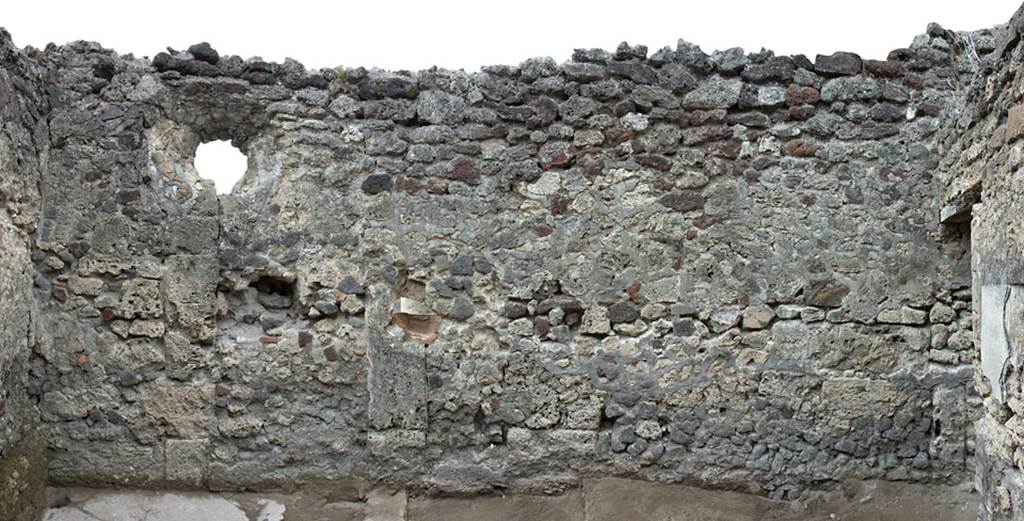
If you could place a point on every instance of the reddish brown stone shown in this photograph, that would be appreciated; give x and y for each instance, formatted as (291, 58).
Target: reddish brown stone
(682, 200)
(557, 161)
(634, 291)
(887, 69)
(798, 95)
(330, 354)
(902, 54)
(541, 326)
(466, 172)
(727, 149)
(107, 314)
(516, 310)
(559, 205)
(800, 148)
(617, 136)
(655, 161)
(269, 339)
(305, 338)
(801, 113)
(572, 306)
(221, 390)
(705, 117)
(913, 80)
(543, 230)
(928, 109)
(662, 184)
(751, 175)
(704, 221)
(437, 187)
(559, 155)
(807, 199)
(407, 185)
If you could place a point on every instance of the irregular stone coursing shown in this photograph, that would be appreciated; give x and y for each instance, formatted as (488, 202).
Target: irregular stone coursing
(721, 269)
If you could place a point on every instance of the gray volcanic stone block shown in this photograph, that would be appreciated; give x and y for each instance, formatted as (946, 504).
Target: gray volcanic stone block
(714, 94)
(838, 64)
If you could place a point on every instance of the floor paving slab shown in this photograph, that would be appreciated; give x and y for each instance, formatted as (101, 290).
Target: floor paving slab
(567, 507)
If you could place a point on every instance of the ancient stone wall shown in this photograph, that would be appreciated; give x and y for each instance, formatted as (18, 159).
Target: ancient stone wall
(726, 270)
(23, 141)
(981, 170)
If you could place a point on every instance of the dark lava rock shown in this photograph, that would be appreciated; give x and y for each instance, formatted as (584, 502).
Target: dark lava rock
(203, 52)
(682, 200)
(514, 310)
(461, 265)
(622, 312)
(839, 64)
(377, 183)
(350, 286)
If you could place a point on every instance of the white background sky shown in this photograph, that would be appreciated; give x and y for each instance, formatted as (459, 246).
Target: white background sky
(467, 34)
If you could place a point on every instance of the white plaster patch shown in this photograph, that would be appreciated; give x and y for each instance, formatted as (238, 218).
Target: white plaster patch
(114, 506)
(634, 121)
(352, 134)
(771, 96)
(271, 511)
(994, 345)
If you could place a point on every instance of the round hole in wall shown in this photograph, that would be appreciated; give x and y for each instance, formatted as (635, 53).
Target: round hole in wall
(222, 163)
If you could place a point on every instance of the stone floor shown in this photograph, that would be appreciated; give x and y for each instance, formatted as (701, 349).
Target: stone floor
(607, 499)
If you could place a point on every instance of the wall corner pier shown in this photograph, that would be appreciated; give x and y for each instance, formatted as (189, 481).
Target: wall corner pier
(23, 145)
(982, 153)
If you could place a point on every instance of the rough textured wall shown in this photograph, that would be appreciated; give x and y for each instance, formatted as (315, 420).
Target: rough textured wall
(983, 160)
(22, 148)
(719, 269)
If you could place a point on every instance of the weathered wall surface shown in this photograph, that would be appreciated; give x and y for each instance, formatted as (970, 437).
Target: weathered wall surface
(719, 269)
(22, 145)
(983, 158)
(725, 270)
